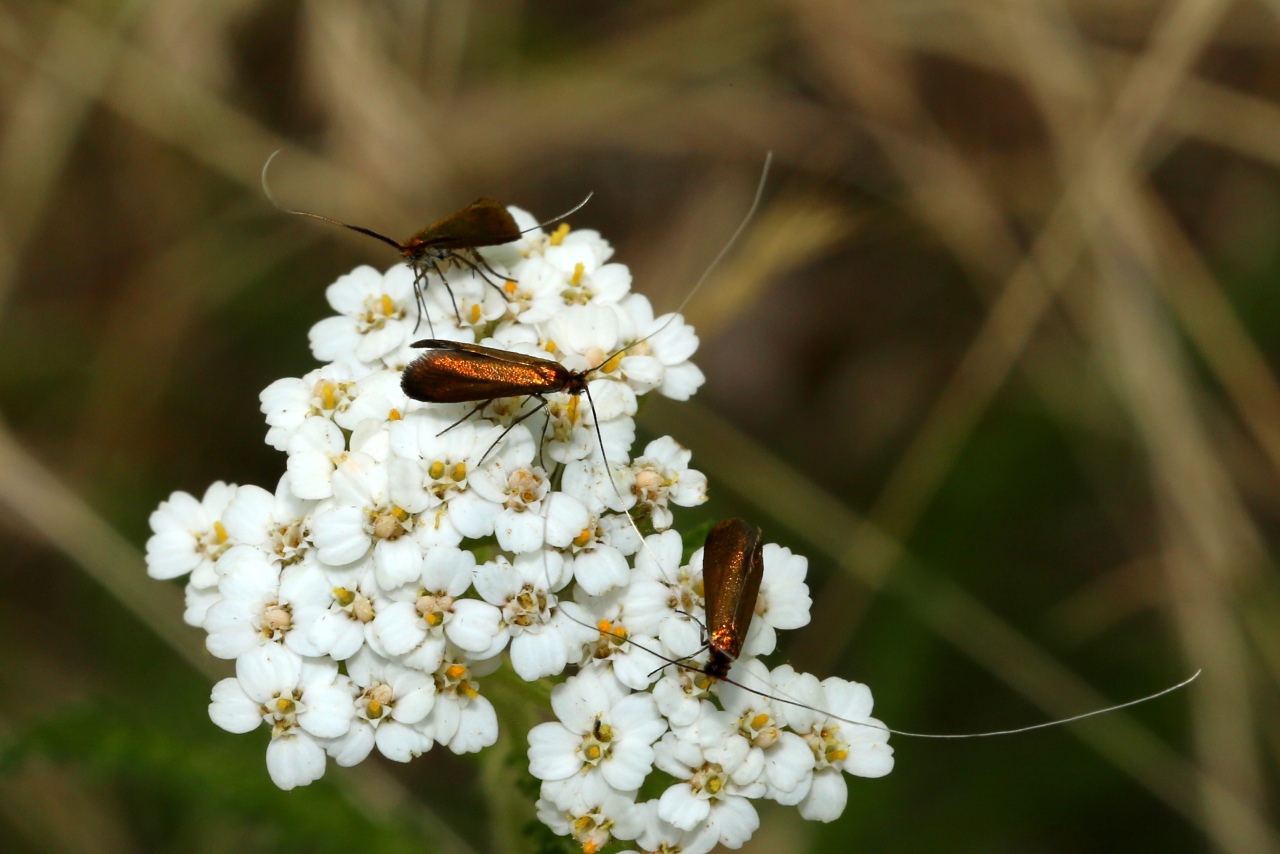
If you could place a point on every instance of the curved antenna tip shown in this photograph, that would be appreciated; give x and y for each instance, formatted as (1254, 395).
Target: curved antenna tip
(266, 189)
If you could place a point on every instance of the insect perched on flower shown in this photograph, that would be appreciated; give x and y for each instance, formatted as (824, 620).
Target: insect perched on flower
(453, 239)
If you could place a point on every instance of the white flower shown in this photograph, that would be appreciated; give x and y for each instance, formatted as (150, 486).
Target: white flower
(635, 659)
(534, 295)
(468, 303)
(326, 392)
(660, 836)
(188, 535)
(594, 825)
(276, 524)
(837, 745)
(433, 454)
(511, 498)
(602, 742)
(424, 613)
(316, 448)
(545, 633)
(300, 700)
(585, 278)
(572, 423)
(462, 719)
(198, 601)
(680, 691)
(718, 775)
(661, 476)
(664, 598)
(257, 603)
(783, 601)
(392, 701)
(786, 757)
(363, 517)
(377, 314)
(340, 623)
(659, 355)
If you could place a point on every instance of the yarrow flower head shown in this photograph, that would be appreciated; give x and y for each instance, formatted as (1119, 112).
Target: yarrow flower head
(412, 551)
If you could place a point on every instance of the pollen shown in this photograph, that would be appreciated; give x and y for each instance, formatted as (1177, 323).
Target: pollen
(592, 752)
(388, 306)
(220, 532)
(455, 672)
(612, 365)
(759, 721)
(434, 619)
(284, 705)
(327, 396)
(578, 270)
(561, 232)
(475, 313)
(374, 710)
(605, 627)
(837, 755)
(436, 471)
(400, 513)
(468, 690)
(573, 410)
(394, 415)
(459, 471)
(590, 847)
(344, 596)
(583, 538)
(509, 286)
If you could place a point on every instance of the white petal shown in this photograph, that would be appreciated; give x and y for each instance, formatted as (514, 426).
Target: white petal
(519, 531)
(397, 562)
(339, 535)
(329, 711)
(566, 518)
(354, 747)
(735, 819)
(534, 656)
(477, 729)
(475, 624)
(294, 760)
(629, 763)
(268, 671)
(232, 709)
(827, 796)
(600, 570)
(311, 475)
(472, 515)
(552, 752)
(399, 628)
(679, 807)
(415, 695)
(400, 742)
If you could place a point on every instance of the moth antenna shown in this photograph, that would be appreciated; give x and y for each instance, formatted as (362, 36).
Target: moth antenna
(742, 226)
(573, 210)
(706, 274)
(1184, 683)
(266, 191)
(783, 699)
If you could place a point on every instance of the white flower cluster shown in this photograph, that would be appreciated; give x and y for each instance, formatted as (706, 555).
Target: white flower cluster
(409, 546)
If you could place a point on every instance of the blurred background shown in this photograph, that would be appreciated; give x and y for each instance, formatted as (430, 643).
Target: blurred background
(998, 354)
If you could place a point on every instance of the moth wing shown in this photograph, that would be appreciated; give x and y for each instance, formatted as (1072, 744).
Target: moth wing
(484, 222)
(732, 566)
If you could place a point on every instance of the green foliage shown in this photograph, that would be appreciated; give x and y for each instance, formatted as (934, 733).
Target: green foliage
(183, 792)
